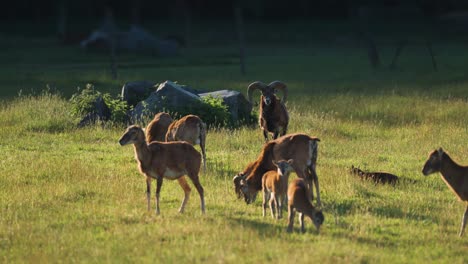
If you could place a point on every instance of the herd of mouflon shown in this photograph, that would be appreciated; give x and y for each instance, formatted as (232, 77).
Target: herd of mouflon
(165, 150)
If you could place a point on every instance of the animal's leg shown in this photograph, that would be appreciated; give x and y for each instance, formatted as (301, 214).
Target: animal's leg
(197, 184)
(183, 183)
(279, 206)
(265, 135)
(307, 176)
(272, 204)
(202, 146)
(148, 192)
(275, 135)
(319, 202)
(465, 218)
(290, 218)
(265, 199)
(301, 222)
(203, 156)
(285, 130)
(316, 182)
(159, 182)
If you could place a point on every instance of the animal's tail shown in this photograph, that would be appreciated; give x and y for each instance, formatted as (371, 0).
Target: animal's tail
(202, 138)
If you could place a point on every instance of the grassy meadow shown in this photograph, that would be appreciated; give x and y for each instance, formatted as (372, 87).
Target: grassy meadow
(75, 195)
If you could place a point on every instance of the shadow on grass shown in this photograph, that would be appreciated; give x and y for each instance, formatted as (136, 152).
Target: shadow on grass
(382, 241)
(262, 227)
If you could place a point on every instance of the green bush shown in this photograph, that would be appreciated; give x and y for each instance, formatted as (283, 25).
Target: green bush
(211, 110)
(82, 104)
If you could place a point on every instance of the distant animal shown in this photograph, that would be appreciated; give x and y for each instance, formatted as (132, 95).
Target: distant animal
(189, 128)
(275, 187)
(156, 130)
(298, 200)
(377, 177)
(301, 148)
(165, 160)
(273, 116)
(453, 174)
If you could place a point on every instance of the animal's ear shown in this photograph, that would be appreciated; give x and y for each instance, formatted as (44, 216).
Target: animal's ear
(290, 161)
(274, 163)
(440, 151)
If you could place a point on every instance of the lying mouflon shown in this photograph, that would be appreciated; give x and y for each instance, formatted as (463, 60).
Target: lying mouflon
(377, 177)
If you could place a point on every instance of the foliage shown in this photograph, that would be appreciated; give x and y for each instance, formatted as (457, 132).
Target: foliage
(82, 103)
(211, 110)
(214, 112)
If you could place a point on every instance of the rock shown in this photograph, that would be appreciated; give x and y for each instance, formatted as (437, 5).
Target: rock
(101, 112)
(136, 40)
(238, 105)
(192, 90)
(169, 97)
(134, 92)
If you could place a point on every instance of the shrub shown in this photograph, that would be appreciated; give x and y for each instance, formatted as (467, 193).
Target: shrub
(211, 110)
(82, 103)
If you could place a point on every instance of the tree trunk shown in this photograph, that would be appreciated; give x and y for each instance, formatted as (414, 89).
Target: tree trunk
(372, 51)
(113, 60)
(429, 48)
(400, 47)
(240, 36)
(135, 12)
(62, 19)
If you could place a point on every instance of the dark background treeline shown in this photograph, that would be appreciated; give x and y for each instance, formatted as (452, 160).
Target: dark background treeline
(258, 9)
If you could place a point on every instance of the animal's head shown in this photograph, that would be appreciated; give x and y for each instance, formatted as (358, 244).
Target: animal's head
(318, 219)
(132, 135)
(433, 162)
(242, 188)
(237, 184)
(284, 166)
(355, 170)
(268, 91)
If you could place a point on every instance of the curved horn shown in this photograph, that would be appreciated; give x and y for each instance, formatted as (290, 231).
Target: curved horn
(253, 86)
(278, 85)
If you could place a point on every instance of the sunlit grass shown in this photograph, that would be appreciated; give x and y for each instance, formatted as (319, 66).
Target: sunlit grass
(75, 195)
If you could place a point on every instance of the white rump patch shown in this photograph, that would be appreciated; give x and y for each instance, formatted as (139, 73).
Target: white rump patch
(311, 152)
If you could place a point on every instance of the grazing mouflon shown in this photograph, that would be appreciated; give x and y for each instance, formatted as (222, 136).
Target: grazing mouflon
(189, 128)
(301, 148)
(156, 129)
(298, 200)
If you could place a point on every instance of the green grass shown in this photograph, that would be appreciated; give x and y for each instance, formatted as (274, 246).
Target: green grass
(75, 195)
